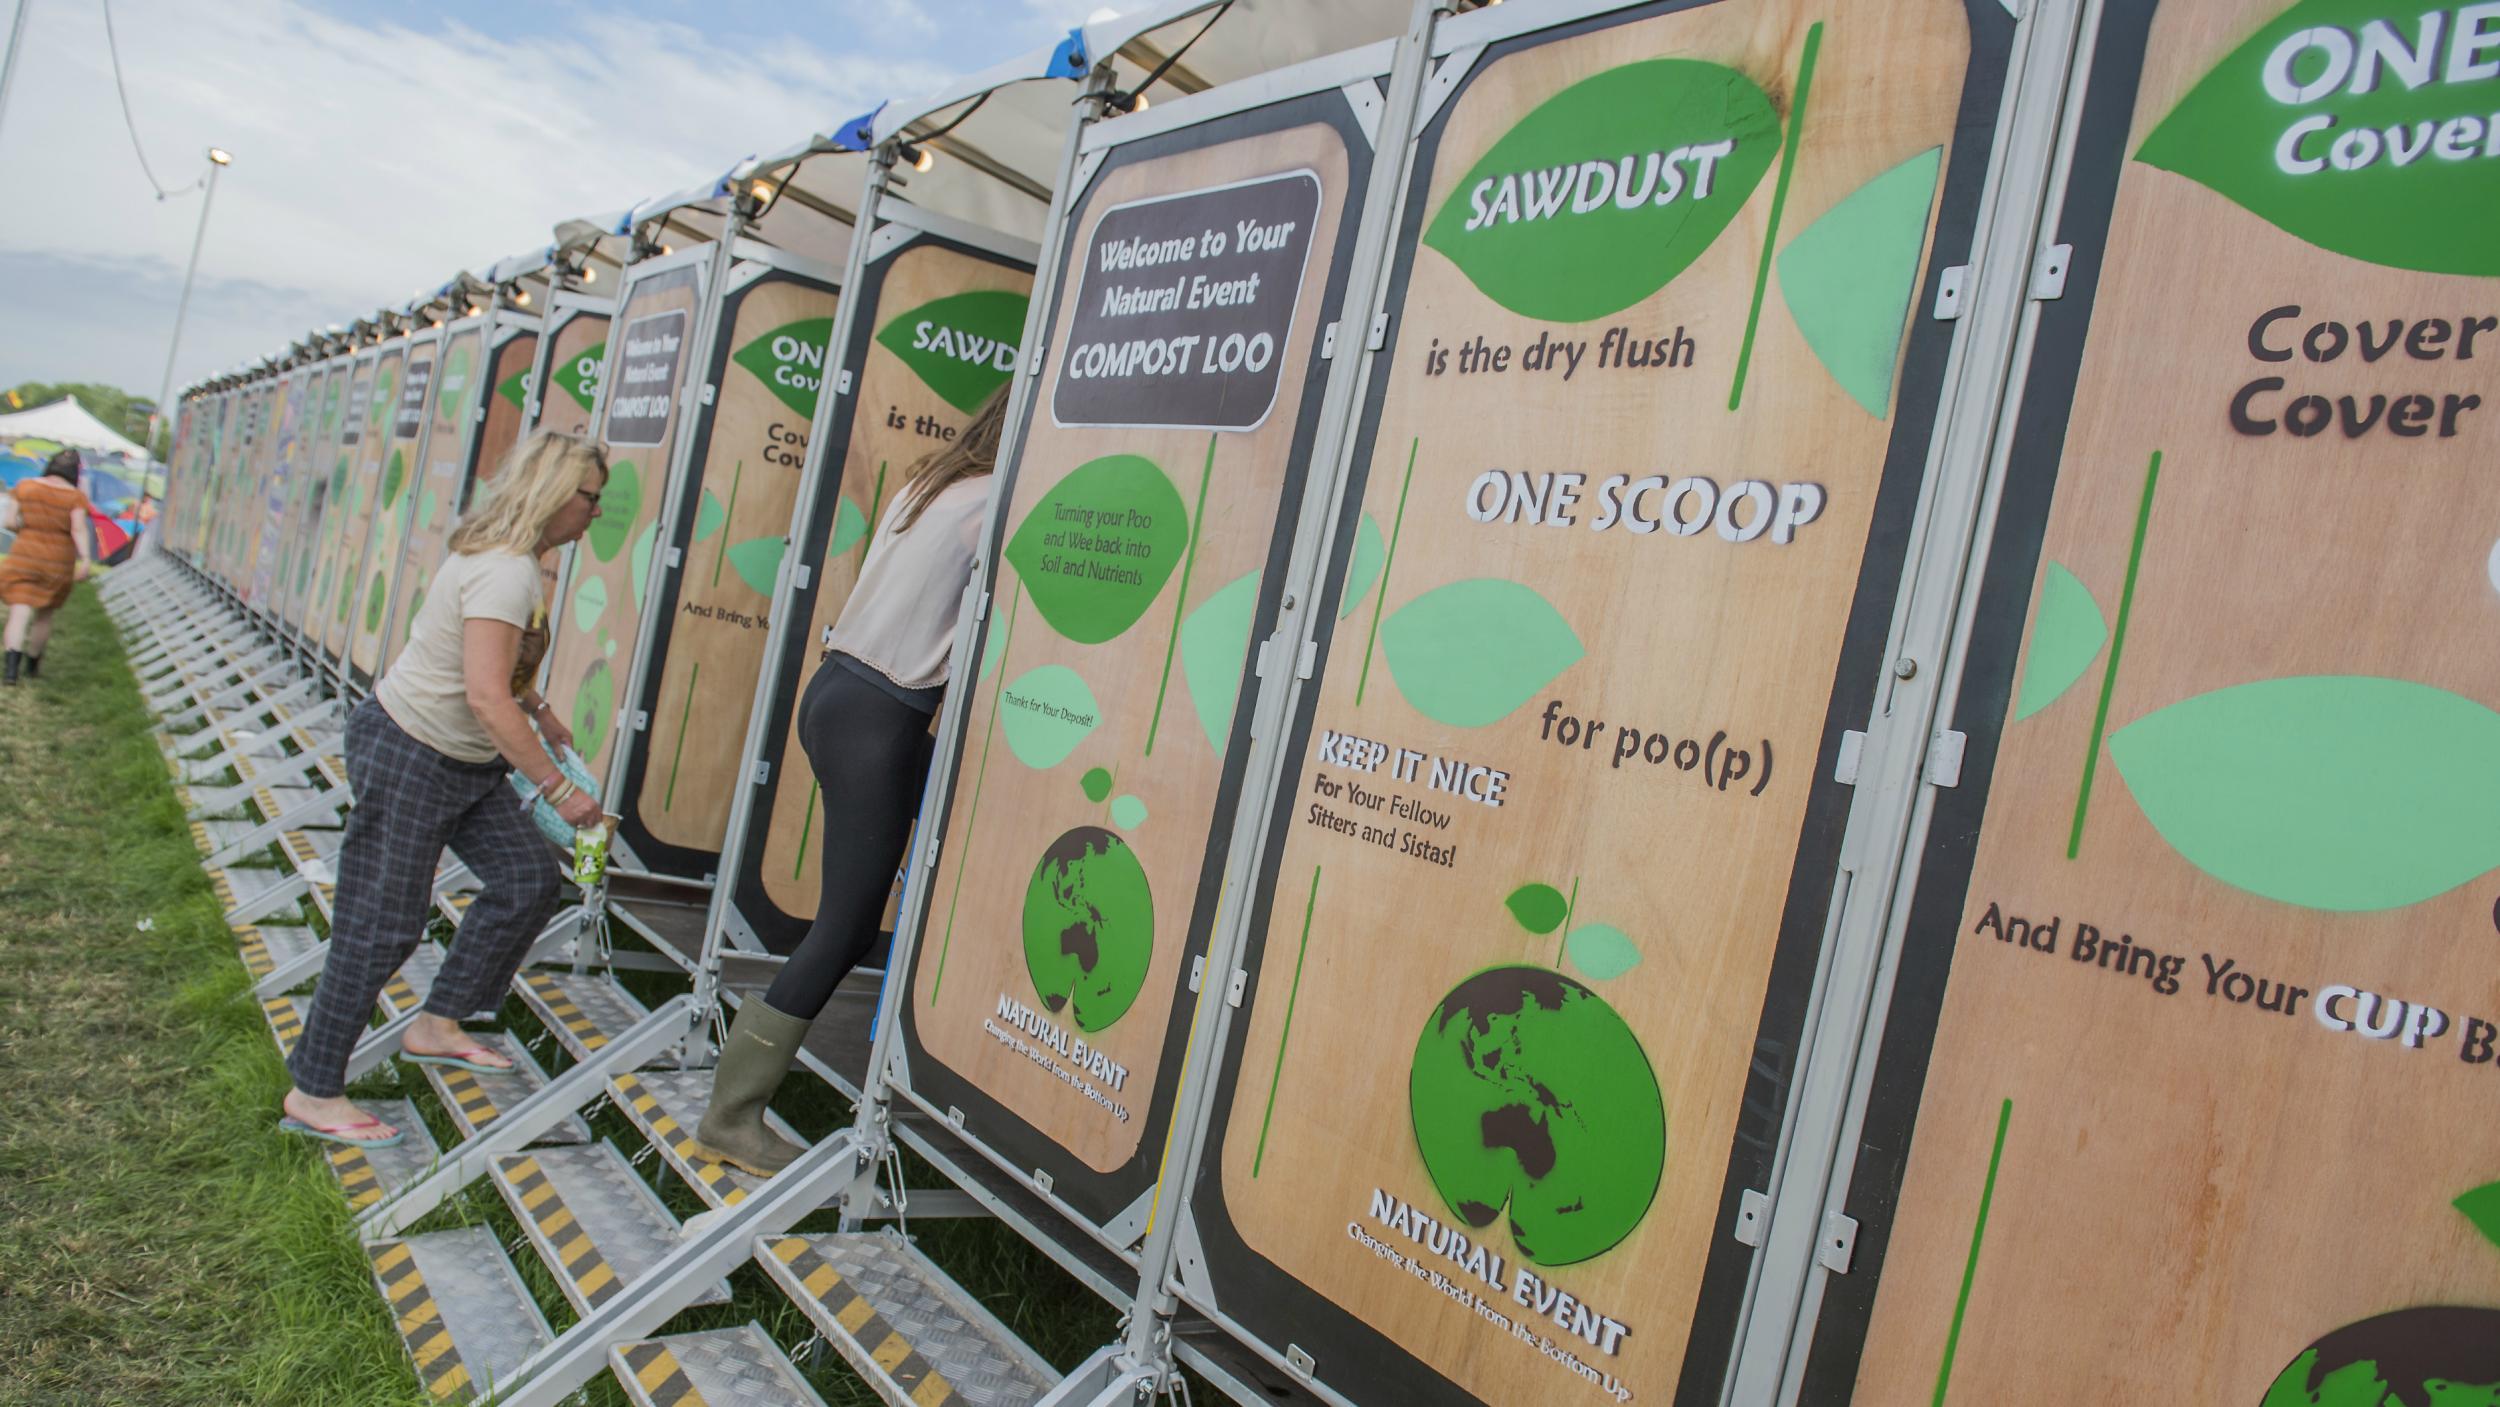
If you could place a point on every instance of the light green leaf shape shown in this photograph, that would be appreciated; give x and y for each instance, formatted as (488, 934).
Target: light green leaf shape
(1214, 642)
(2067, 632)
(394, 478)
(1364, 569)
(590, 601)
(1848, 278)
(376, 597)
(1468, 653)
(1095, 551)
(1540, 908)
(1097, 784)
(993, 644)
(849, 526)
(2482, 1207)
(2367, 178)
(1601, 950)
(1045, 714)
(2346, 793)
(641, 563)
(594, 708)
(709, 514)
(608, 647)
(1129, 812)
(619, 504)
(756, 561)
(427, 503)
(1553, 236)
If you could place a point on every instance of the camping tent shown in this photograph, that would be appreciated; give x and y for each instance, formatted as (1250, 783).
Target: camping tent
(67, 422)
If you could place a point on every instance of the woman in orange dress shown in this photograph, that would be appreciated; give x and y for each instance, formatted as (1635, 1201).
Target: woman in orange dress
(54, 551)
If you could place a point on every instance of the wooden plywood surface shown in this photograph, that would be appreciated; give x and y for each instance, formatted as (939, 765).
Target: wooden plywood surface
(452, 401)
(573, 369)
(1538, 846)
(901, 419)
(754, 448)
(350, 381)
(378, 393)
(397, 493)
(506, 403)
(1092, 752)
(2280, 665)
(309, 490)
(593, 648)
(268, 506)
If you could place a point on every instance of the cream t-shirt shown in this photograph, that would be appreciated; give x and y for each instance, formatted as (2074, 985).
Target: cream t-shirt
(425, 691)
(900, 618)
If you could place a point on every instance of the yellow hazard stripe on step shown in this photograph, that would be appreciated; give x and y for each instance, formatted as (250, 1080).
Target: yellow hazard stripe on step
(645, 1110)
(658, 1374)
(357, 1177)
(419, 1322)
(286, 1023)
(469, 1099)
(562, 1011)
(884, 1344)
(254, 950)
(576, 1256)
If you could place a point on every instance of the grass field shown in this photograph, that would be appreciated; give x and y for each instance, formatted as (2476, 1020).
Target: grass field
(160, 1242)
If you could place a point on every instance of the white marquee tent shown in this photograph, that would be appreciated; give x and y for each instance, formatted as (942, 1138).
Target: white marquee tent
(67, 422)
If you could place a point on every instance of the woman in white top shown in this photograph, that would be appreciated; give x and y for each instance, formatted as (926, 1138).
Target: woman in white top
(426, 756)
(864, 723)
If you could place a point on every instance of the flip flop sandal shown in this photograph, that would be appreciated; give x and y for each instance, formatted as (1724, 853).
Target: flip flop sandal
(460, 1061)
(338, 1133)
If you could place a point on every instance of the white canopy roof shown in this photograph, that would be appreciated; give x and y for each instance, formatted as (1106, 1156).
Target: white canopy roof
(67, 422)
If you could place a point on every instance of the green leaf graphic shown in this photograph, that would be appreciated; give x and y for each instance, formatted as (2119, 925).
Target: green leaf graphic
(2339, 792)
(644, 541)
(1215, 640)
(1128, 813)
(993, 641)
(790, 361)
(2350, 124)
(394, 478)
(455, 390)
(590, 602)
(1468, 653)
(1601, 951)
(1089, 927)
(1045, 714)
(428, 503)
(708, 515)
(376, 597)
(1848, 277)
(594, 706)
(756, 561)
(962, 346)
(619, 503)
(1609, 189)
(2482, 1207)
(2067, 632)
(1096, 550)
(1097, 784)
(849, 526)
(516, 389)
(579, 378)
(1364, 568)
(1540, 908)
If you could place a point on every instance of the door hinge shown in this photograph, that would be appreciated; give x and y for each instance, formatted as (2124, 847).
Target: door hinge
(1852, 750)
(1949, 292)
(763, 770)
(1309, 661)
(1944, 758)
(1197, 972)
(2048, 276)
(676, 558)
(1033, 363)
(1839, 1244)
(1380, 332)
(801, 576)
(1240, 984)
(1751, 1207)
(1258, 666)
(707, 393)
(642, 719)
(1328, 343)
(842, 384)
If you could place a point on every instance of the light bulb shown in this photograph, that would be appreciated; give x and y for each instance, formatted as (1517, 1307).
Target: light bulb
(762, 190)
(924, 160)
(589, 274)
(520, 297)
(666, 250)
(1142, 104)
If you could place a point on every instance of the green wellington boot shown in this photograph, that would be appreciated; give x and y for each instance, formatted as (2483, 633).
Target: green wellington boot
(761, 1046)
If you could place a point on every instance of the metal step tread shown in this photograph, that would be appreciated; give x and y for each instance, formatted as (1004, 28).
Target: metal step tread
(239, 885)
(220, 802)
(475, 1100)
(263, 947)
(466, 1318)
(285, 1017)
(902, 1322)
(406, 991)
(593, 1220)
(212, 836)
(367, 1175)
(583, 1010)
(667, 1105)
(276, 801)
(739, 1367)
(453, 905)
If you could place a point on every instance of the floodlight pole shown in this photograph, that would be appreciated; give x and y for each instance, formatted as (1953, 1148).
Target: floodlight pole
(8, 65)
(217, 160)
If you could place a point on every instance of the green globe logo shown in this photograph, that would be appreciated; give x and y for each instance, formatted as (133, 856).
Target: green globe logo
(1089, 926)
(1530, 1092)
(2437, 1356)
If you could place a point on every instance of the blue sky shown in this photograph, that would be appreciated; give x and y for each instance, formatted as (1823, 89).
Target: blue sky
(382, 145)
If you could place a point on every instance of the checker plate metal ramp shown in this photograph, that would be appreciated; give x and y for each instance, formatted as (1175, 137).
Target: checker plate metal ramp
(912, 1333)
(593, 1219)
(238, 886)
(213, 836)
(475, 1100)
(583, 1010)
(367, 1175)
(461, 1310)
(216, 801)
(277, 801)
(716, 1368)
(667, 1105)
(263, 948)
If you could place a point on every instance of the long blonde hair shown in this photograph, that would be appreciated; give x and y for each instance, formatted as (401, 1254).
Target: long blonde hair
(975, 451)
(537, 477)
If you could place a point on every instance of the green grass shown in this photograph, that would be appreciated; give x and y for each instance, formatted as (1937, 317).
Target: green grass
(160, 1243)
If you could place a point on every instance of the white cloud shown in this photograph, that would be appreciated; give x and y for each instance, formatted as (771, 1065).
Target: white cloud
(372, 160)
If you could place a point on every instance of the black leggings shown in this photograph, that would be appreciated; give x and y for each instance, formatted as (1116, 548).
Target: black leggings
(871, 755)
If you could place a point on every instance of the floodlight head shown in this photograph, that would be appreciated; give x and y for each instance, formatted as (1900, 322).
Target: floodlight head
(219, 156)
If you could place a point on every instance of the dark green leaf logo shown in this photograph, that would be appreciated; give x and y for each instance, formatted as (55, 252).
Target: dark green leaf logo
(1609, 189)
(516, 389)
(579, 377)
(962, 346)
(790, 361)
(1098, 547)
(2364, 127)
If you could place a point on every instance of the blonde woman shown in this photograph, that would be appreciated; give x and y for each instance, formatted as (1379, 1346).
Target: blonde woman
(426, 756)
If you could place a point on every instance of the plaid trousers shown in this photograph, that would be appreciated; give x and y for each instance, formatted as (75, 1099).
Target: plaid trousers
(411, 803)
